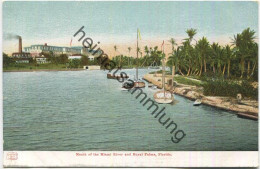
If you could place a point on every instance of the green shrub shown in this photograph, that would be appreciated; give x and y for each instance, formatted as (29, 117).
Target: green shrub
(183, 80)
(160, 71)
(222, 87)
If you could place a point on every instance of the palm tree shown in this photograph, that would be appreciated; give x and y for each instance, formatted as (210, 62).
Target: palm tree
(253, 58)
(191, 33)
(229, 56)
(203, 49)
(115, 48)
(129, 50)
(146, 50)
(188, 48)
(173, 43)
(243, 42)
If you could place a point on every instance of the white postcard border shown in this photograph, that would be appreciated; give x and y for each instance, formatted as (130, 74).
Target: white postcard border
(172, 159)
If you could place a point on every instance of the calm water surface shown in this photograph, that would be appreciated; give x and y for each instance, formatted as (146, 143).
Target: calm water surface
(83, 110)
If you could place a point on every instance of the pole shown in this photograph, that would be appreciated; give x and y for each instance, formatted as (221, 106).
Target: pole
(137, 55)
(163, 73)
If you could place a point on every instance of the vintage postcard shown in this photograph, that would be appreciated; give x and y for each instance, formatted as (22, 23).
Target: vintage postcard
(130, 83)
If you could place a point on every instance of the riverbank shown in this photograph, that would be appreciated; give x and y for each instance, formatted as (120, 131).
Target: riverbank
(247, 108)
(42, 70)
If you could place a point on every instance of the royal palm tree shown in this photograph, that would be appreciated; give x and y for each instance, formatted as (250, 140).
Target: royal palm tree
(243, 42)
(229, 55)
(129, 50)
(188, 48)
(254, 58)
(191, 33)
(173, 43)
(203, 50)
(115, 48)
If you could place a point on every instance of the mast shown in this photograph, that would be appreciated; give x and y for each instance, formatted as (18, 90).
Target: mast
(163, 73)
(137, 55)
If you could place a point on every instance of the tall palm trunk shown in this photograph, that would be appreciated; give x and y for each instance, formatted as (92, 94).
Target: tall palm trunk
(214, 69)
(201, 66)
(196, 72)
(120, 61)
(188, 73)
(181, 72)
(189, 70)
(223, 72)
(219, 68)
(242, 67)
(248, 69)
(252, 73)
(205, 66)
(228, 68)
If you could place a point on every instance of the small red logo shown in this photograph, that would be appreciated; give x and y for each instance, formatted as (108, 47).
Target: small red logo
(12, 156)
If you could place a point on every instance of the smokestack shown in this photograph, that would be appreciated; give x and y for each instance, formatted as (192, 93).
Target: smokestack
(20, 45)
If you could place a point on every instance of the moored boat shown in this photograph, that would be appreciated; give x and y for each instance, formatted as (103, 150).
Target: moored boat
(163, 96)
(110, 76)
(150, 85)
(137, 83)
(197, 102)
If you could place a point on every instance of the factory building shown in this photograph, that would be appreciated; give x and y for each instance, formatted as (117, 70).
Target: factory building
(20, 53)
(35, 50)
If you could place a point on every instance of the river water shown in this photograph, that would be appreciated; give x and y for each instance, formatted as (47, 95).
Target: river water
(83, 110)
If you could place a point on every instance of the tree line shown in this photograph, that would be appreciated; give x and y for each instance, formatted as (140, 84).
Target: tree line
(236, 60)
(53, 59)
(199, 57)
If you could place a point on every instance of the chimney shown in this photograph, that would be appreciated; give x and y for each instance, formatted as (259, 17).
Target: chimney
(20, 45)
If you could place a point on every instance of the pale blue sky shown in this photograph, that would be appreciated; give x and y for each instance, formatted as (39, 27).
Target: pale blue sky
(50, 20)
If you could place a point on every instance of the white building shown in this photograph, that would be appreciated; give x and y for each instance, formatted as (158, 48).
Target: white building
(92, 67)
(22, 60)
(74, 57)
(91, 58)
(41, 60)
(35, 50)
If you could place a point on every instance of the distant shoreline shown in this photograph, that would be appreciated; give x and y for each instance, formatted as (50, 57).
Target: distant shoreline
(47, 70)
(43, 70)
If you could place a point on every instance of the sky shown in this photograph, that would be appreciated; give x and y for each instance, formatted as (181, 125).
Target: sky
(115, 23)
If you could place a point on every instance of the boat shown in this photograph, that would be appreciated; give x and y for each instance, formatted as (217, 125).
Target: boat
(137, 82)
(150, 85)
(163, 96)
(154, 87)
(126, 86)
(153, 66)
(197, 102)
(110, 76)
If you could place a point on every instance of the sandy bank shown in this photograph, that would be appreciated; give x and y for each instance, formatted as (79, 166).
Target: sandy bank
(247, 107)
